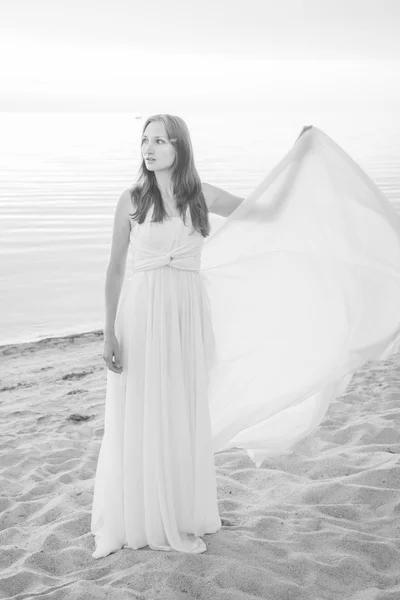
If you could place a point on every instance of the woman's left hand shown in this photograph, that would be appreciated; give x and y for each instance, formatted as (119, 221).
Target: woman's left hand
(303, 130)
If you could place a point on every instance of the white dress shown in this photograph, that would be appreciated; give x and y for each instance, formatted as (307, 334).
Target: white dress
(241, 340)
(155, 482)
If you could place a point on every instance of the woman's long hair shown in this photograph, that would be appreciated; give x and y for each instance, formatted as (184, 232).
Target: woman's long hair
(186, 182)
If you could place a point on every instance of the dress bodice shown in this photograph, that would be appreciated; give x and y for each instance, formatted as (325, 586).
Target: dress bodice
(168, 243)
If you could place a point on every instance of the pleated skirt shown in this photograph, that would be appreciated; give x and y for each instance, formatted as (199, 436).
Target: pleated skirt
(155, 482)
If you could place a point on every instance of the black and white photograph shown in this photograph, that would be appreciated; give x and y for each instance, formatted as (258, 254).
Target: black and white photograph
(200, 300)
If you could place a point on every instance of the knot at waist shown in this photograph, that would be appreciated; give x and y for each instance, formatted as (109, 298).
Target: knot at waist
(186, 257)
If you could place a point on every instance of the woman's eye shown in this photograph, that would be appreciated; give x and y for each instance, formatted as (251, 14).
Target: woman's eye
(162, 141)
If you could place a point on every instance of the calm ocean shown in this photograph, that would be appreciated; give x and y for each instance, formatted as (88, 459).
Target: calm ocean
(62, 173)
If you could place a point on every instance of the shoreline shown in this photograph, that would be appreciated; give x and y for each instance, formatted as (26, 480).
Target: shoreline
(8, 348)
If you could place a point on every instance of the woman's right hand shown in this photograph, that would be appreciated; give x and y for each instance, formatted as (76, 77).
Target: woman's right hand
(111, 353)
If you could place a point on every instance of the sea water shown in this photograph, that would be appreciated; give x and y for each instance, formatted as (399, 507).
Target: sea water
(62, 174)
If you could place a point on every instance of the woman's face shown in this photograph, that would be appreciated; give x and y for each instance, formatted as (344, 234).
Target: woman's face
(155, 144)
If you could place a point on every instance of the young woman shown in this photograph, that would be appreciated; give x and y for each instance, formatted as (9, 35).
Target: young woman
(160, 487)
(240, 340)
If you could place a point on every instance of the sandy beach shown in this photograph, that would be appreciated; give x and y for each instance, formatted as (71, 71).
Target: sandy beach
(319, 522)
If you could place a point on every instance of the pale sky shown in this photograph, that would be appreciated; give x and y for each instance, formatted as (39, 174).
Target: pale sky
(129, 54)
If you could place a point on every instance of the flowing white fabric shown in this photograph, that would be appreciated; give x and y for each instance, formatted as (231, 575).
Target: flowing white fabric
(241, 340)
(303, 284)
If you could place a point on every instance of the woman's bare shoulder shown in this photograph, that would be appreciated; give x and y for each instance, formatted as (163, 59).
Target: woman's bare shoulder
(127, 194)
(129, 205)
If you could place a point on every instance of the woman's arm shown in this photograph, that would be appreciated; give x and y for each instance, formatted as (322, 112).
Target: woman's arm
(220, 201)
(116, 266)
